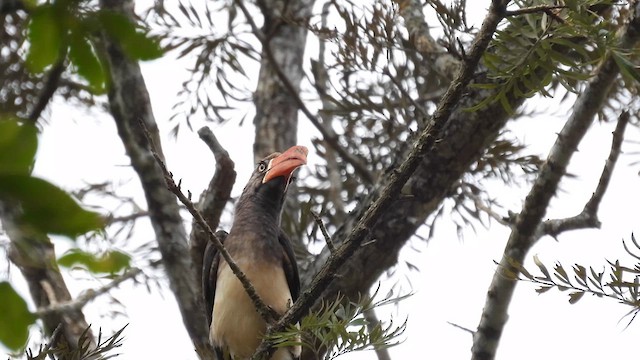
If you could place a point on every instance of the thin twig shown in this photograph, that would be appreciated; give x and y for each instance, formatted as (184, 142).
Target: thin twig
(480, 205)
(419, 108)
(588, 218)
(326, 235)
(89, 295)
(110, 220)
(461, 328)
(360, 168)
(268, 314)
(616, 146)
(534, 9)
(396, 180)
(321, 77)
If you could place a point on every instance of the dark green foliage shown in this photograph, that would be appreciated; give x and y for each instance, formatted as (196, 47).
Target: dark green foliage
(15, 319)
(138, 45)
(18, 145)
(83, 56)
(46, 208)
(627, 68)
(45, 38)
(60, 28)
(538, 51)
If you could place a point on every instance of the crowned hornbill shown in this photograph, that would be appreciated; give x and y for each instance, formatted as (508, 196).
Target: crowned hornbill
(263, 252)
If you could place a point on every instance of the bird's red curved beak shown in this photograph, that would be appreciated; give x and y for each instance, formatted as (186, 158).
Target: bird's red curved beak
(285, 163)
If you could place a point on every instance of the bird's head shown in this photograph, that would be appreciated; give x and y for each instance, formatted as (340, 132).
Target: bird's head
(273, 174)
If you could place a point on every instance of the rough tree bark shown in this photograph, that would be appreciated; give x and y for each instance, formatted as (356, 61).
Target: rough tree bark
(130, 107)
(462, 140)
(276, 119)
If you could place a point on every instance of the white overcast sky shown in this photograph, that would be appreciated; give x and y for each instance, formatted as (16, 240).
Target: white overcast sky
(78, 146)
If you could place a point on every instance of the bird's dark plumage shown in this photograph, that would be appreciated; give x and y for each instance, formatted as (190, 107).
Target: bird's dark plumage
(263, 252)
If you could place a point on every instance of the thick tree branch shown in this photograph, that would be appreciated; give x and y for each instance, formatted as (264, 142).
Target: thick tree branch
(420, 37)
(588, 218)
(129, 104)
(283, 42)
(213, 199)
(292, 91)
(397, 179)
(461, 142)
(523, 236)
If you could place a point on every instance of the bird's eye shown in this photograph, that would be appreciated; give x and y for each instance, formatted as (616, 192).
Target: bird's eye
(262, 166)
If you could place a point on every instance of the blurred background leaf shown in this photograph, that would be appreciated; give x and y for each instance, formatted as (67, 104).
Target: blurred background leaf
(15, 319)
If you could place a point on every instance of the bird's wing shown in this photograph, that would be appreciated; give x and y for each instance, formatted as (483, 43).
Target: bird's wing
(289, 265)
(210, 263)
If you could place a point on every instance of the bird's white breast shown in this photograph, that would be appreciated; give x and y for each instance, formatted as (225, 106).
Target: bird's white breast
(236, 324)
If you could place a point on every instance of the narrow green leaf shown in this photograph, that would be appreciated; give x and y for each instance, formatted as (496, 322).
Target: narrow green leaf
(45, 38)
(112, 261)
(506, 105)
(574, 297)
(543, 289)
(487, 86)
(18, 145)
(627, 68)
(47, 208)
(137, 45)
(87, 63)
(15, 319)
(542, 268)
(544, 23)
(561, 274)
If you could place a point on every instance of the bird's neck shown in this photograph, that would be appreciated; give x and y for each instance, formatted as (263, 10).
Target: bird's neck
(258, 213)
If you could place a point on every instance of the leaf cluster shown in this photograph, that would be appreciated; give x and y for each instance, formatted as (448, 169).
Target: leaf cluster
(62, 28)
(616, 281)
(83, 351)
(39, 208)
(537, 51)
(341, 327)
(360, 102)
(45, 208)
(217, 79)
